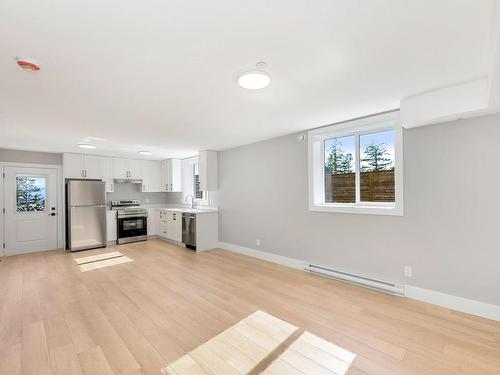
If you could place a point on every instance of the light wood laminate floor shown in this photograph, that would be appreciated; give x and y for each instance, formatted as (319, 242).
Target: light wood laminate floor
(136, 317)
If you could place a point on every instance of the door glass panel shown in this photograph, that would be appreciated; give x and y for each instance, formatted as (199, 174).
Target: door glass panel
(377, 166)
(30, 193)
(340, 177)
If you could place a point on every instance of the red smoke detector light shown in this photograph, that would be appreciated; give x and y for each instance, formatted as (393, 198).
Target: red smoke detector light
(27, 65)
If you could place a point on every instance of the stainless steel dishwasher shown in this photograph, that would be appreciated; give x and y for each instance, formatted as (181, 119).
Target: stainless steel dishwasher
(189, 230)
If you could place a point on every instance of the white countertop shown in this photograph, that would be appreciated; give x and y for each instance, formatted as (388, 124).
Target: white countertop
(196, 210)
(179, 208)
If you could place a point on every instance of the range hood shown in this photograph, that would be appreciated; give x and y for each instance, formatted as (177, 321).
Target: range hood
(127, 181)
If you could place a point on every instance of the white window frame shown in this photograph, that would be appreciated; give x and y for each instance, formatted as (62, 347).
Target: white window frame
(188, 183)
(366, 125)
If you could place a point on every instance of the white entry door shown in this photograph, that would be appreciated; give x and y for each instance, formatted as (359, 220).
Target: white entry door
(30, 201)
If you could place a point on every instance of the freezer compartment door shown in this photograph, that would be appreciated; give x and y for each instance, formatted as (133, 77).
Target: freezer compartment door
(87, 227)
(86, 193)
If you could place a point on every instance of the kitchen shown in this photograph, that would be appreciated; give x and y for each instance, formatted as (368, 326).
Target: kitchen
(141, 199)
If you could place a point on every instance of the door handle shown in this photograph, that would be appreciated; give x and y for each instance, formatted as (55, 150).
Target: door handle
(52, 214)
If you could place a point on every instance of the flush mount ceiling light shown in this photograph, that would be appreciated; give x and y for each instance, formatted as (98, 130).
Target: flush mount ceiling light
(254, 79)
(86, 145)
(145, 152)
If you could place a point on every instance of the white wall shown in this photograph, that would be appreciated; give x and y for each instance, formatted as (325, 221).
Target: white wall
(133, 191)
(448, 233)
(17, 156)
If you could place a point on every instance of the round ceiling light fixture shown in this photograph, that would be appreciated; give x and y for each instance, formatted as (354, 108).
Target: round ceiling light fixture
(145, 152)
(254, 79)
(86, 145)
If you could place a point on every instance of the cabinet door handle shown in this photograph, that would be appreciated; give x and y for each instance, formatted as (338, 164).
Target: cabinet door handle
(111, 187)
(85, 173)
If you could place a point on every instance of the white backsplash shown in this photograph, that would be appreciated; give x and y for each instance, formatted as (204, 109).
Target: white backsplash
(133, 191)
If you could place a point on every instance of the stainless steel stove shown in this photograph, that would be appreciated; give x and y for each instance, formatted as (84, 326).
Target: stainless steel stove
(131, 221)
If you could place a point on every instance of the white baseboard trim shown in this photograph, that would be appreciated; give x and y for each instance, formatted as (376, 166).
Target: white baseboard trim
(279, 259)
(449, 301)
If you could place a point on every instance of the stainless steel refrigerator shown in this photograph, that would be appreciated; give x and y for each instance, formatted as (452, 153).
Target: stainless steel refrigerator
(85, 214)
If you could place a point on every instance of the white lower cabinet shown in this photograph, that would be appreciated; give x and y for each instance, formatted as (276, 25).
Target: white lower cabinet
(162, 223)
(111, 226)
(175, 226)
(170, 225)
(152, 222)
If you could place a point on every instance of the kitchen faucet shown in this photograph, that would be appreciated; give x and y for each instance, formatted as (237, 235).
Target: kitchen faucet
(192, 200)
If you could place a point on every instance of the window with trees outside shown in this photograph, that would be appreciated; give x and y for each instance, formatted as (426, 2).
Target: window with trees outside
(198, 194)
(191, 181)
(356, 166)
(30, 193)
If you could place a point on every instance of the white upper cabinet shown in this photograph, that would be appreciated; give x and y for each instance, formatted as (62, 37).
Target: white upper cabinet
(207, 169)
(171, 175)
(120, 168)
(151, 179)
(92, 167)
(73, 166)
(135, 168)
(107, 173)
(82, 166)
(156, 176)
(127, 168)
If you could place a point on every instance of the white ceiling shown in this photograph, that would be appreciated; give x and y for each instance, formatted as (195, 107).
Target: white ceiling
(160, 75)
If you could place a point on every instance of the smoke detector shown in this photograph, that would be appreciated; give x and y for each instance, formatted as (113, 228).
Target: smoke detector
(27, 64)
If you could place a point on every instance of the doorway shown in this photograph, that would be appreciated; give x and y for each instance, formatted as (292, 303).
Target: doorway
(31, 208)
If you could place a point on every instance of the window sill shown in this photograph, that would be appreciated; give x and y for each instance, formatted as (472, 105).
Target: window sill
(393, 210)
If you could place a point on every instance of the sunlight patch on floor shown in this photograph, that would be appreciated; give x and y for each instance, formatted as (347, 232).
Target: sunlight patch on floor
(95, 262)
(264, 344)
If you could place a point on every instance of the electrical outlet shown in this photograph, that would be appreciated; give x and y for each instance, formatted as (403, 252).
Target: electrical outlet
(257, 241)
(408, 271)
(147, 200)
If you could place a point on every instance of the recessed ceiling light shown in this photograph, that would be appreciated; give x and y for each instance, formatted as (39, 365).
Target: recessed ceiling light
(86, 145)
(254, 80)
(145, 152)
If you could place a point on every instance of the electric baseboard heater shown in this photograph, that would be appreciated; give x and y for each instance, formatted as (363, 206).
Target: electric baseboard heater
(384, 286)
